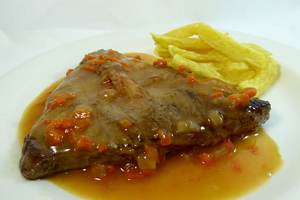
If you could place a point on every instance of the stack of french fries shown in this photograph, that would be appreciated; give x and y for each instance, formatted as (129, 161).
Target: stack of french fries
(212, 54)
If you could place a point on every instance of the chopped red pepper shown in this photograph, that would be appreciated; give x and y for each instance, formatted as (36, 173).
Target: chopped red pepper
(125, 124)
(84, 143)
(203, 93)
(125, 64)
(113, 54)
(229, 145)
(137, 57)
(60, 99)
(82, 118)
(251, 92)
(160, 63)
(91, 65)
(69, 71)
(217, 94)
(205, 158)
(102, 147)
(181, 68)
(89, 57)
(165, 139)
(191, 79)
(54, 137)
(55, 131)
(101, 57)
(239, 99)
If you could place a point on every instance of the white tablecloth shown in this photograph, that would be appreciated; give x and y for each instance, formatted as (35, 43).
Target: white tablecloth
(31, 27)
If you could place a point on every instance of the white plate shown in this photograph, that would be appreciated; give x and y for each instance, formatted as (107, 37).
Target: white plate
(22, 85)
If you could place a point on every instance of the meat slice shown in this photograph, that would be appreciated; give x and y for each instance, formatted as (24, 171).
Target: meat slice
(114, 109)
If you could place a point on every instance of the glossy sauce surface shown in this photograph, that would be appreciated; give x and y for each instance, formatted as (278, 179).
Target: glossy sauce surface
(255, 159)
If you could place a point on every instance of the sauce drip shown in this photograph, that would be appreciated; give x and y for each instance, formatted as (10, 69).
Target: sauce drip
(255, 160)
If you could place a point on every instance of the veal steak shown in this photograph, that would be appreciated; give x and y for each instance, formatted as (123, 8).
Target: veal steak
(111, 107)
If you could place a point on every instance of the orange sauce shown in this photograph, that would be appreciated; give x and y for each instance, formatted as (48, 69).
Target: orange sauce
(254, 162)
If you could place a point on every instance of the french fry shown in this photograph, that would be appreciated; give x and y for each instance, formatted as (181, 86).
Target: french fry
(230, 72)
(184, 43)
(258, 48)
(235, 72)
(231, 48)
(209, 57)
(210, 53)
(162, 52)
(263, 79)
(206, 69)
(185, 31)
(202, 69)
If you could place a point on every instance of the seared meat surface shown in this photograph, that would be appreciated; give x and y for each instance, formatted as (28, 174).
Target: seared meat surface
(113, 109)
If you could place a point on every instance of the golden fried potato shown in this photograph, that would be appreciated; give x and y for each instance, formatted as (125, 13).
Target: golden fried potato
(206, 69)
(184, 43)
(263, 78)
(210, 53)
(258, 48)
(204, 57)
(229, 72)
(185, 31)
(235, 72)
(231, 48)
(162, 52)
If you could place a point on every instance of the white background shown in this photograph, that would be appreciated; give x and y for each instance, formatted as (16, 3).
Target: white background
(31, 27)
